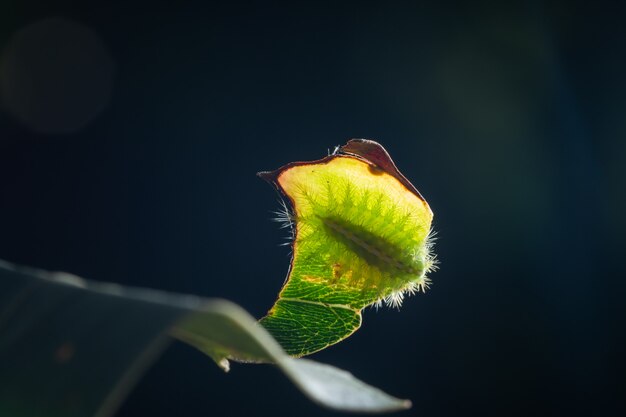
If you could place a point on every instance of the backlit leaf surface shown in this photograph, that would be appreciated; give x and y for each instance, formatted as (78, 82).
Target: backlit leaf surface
(360, 237)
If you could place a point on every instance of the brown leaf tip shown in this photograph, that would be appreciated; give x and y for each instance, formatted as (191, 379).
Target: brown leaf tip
(376, 154)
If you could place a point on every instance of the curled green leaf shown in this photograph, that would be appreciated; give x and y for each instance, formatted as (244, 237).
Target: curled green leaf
(361, 236)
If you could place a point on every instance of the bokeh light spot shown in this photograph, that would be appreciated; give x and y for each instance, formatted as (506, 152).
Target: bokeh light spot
(56, 75)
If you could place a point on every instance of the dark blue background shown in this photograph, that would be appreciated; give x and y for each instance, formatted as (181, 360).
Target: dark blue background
(510, 121)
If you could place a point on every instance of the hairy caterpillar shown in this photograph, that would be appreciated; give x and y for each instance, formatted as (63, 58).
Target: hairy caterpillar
(361, 236)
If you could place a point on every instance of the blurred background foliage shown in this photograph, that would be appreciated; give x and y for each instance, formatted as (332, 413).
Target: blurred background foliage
(130, 136)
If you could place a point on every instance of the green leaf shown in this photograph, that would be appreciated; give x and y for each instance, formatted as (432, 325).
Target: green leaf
(361, 237)
(74, 348)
